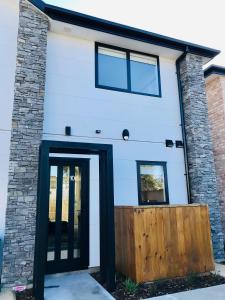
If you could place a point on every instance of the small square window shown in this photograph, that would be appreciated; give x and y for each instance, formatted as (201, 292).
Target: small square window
(152, 183)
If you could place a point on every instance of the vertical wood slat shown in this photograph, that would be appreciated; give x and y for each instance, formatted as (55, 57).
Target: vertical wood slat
(124, 230)
(157, 242)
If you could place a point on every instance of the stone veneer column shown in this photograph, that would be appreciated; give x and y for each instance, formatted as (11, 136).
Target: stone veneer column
(27, 123)
(199, 145)
(215, 89)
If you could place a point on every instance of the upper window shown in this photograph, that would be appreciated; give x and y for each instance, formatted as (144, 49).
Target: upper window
(152, 183)
(128, 71)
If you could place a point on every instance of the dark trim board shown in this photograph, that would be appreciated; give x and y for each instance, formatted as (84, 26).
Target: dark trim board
(128, 52)
(63, 160)
(70, 263)
(86, 21)
(180, 92)
(214, 69)
(107, 235)
(155, 163)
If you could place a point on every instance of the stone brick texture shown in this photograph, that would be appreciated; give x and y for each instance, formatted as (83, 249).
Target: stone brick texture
(27, 127)
(201, 164)
(27, 122)
(215, 90)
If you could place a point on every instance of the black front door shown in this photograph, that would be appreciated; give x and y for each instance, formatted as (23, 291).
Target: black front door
(68, 215)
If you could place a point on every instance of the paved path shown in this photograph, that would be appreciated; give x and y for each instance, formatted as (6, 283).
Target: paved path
(210, 293)
(7, 295)
(74, 286)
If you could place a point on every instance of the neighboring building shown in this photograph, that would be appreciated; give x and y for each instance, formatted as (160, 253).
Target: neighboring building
(215, 89)
(82, 95)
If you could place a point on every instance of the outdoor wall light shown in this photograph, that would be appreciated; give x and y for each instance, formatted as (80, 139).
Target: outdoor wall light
(169, 143)
(67, 130)
(98, 131)
(125, 134)
(179, 144)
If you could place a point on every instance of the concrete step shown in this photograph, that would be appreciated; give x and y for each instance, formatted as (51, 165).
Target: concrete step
(74, 286)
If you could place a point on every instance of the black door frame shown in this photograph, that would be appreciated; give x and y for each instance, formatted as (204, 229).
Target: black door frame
(107, 231)
(57, 265)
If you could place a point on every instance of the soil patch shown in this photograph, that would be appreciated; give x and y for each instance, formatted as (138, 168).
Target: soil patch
(25, 295)
(127, 290)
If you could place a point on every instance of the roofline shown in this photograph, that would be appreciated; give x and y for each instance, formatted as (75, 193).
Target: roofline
(214, 69)
(83, 20)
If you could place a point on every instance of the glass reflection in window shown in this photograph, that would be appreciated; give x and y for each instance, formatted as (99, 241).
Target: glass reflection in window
(152, 185)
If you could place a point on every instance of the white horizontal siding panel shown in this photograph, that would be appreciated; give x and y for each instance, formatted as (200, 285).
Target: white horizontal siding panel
(72, 100)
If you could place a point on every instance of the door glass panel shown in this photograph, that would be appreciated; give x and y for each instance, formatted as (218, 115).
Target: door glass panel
(52, 213)
(77, 212)
(65, 219)
(65, 213)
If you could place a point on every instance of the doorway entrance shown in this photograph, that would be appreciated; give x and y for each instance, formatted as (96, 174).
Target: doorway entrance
(106, 211)
(68, 215)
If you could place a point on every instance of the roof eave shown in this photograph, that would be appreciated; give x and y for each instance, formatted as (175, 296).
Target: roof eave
(214, 70)
(86, 21)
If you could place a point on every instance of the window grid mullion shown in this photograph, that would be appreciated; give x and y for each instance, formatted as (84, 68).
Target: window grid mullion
(128, 72)
(128, 87)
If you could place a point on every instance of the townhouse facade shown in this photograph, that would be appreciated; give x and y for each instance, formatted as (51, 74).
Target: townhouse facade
(94, 114)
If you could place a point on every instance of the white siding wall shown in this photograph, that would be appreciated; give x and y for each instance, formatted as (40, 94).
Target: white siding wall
(72, 100)
(8, 43)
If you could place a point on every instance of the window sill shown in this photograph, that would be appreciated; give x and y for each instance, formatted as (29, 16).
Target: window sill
(153, 203)
(126, 91)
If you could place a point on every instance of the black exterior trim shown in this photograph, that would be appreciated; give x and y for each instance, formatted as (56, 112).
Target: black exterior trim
(152, 163)
(107, 234)
(128, 52)
(180, 92)
(58, 212)
(71, 263)
(86, 21)
(214, 69)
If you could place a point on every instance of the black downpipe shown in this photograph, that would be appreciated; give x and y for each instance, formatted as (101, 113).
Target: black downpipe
(183, 125)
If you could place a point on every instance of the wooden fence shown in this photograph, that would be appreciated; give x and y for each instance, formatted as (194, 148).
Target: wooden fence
(156, 242)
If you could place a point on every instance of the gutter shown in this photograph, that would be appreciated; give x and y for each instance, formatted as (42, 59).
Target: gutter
(183, 125)
(214, 70)
(82, 20)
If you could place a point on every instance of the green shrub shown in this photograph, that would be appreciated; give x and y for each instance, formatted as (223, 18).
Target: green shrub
(192, 278)
(130, 286)
(153, 290)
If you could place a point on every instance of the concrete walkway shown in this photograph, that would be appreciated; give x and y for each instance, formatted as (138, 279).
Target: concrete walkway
(7, 295)
(219, 269)
(210, 293)
(74, 286)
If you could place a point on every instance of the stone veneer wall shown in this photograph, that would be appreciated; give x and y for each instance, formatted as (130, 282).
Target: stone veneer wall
(215, 90)
(27, 123)
(199, 145)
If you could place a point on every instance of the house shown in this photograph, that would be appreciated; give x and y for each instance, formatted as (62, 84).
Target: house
(215, 90)
(93, 114)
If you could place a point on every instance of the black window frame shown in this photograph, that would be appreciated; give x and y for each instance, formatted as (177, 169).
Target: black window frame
(128, 52)
(152, 163)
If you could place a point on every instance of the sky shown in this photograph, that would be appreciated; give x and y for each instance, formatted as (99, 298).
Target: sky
(197, 21)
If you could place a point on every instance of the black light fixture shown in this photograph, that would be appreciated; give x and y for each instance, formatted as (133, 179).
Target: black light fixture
(98, 131)
(125, 134)
(169, 143)
(67, 130)
(179, 144)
